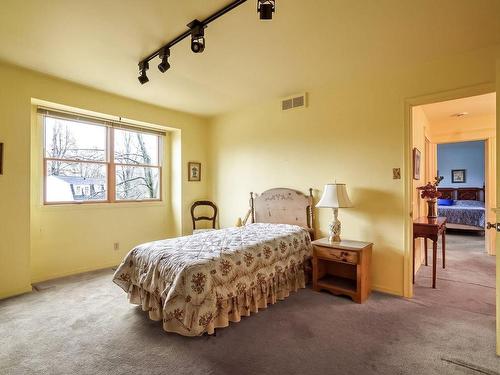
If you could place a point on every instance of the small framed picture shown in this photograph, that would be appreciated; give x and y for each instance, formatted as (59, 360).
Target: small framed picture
(1, 158)
(194, 171)
(457, 176)
(416, 164)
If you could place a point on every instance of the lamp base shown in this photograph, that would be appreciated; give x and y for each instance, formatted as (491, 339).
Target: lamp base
(334, 227)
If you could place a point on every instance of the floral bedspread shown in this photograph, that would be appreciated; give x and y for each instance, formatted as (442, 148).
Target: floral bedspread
(200, 282)
(464, 212)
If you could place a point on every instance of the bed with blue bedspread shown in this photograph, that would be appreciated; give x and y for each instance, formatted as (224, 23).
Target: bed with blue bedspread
(469, 213)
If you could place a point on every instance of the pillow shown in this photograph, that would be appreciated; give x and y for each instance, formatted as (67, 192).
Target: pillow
(469, 203)
(445, 202)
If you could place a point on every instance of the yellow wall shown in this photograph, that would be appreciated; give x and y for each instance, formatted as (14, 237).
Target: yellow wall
(71, 239)
(352, 131)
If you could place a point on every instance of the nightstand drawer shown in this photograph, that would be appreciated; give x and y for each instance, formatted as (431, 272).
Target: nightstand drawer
(336, 255)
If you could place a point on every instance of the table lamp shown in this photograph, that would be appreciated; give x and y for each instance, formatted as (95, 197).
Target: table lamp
(334, 196)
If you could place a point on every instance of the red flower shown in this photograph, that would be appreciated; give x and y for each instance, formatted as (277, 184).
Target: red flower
(430, 190)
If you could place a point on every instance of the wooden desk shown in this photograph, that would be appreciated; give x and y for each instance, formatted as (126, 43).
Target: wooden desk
(342, 268)
(427, 228)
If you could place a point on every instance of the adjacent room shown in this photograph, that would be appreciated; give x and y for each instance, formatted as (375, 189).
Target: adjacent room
(249, 187)
(456, 193)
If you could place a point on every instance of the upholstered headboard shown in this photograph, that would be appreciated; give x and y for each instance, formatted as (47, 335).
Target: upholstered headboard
(283, 206)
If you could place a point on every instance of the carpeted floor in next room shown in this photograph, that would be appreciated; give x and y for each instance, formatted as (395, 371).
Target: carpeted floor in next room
(84, 325)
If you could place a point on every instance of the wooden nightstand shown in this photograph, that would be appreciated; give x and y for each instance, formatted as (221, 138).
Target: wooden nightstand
(343, 268)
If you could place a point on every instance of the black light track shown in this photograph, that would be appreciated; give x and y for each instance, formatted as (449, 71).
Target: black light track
(196, 27)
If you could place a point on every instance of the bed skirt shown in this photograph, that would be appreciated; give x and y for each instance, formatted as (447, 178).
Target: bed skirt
(226, 310)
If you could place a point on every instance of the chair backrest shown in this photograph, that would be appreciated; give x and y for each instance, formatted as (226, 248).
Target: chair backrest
(213, 218)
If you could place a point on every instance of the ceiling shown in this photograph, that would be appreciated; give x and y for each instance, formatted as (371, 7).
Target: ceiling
(480, 105)
(307, 44)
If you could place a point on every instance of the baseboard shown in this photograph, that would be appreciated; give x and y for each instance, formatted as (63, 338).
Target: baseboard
(16, 292)
(383, 289)
(73, 272)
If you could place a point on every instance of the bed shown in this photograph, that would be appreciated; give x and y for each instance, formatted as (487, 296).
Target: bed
(195, 284)
(467, 210)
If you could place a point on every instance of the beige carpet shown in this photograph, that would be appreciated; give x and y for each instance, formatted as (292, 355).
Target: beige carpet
(84, 325)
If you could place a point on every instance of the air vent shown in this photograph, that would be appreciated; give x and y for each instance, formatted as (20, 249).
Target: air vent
(287, 104)
(294, 101)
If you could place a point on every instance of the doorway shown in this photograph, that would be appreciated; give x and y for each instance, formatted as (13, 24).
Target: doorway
(448, 111)
(458, 126)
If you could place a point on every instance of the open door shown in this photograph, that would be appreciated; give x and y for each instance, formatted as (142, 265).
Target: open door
(490, 159)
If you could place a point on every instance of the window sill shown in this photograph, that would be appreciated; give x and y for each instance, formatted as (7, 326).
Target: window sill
(99, 205)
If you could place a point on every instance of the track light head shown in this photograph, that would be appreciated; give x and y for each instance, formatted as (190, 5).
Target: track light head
(266, 8)
(198, 44)
(164, 65)
(197, 36)
(143, 78)
(143, 67)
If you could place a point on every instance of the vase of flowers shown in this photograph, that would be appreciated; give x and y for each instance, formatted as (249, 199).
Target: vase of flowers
(430, 193)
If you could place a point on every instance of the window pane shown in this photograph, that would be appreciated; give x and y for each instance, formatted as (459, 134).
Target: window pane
(136, 148)
(137, 183)
(74, 182)
(66, 139)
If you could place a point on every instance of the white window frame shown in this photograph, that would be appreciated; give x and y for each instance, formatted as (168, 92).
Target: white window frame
(110, 157)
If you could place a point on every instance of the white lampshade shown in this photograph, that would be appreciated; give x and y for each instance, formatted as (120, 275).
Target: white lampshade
(334, 196)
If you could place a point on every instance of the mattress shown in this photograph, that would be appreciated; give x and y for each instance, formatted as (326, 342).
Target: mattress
(197, 283)
(465, 213)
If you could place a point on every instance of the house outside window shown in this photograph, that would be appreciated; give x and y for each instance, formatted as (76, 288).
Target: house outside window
(88, 160)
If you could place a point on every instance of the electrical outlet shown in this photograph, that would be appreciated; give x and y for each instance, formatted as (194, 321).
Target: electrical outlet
(116, 246)
(396, 173)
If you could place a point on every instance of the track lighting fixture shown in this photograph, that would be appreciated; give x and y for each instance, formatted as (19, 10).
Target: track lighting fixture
(143, 66)
(164, 65)
(197, 36)
(266, 8)
(196, 30)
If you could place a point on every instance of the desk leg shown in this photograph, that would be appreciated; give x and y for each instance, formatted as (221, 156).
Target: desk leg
(425, 248)
(443, 245)
(413, 268)
(434, 256)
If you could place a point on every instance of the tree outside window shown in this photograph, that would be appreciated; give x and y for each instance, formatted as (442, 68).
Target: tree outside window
(78, 163)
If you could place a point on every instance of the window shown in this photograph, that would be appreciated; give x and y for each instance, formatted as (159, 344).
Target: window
(87, 160)
(136, 159)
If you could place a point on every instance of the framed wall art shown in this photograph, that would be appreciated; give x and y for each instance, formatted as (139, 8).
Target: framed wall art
(458, 176)
(416, 164)
(194, 171)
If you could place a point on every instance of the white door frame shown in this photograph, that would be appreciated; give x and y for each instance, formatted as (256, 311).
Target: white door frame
(464, 92)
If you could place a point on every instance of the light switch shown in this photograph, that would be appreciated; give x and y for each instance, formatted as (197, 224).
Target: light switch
(396, 173)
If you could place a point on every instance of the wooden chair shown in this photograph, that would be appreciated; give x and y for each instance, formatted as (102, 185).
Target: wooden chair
(212, 218)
